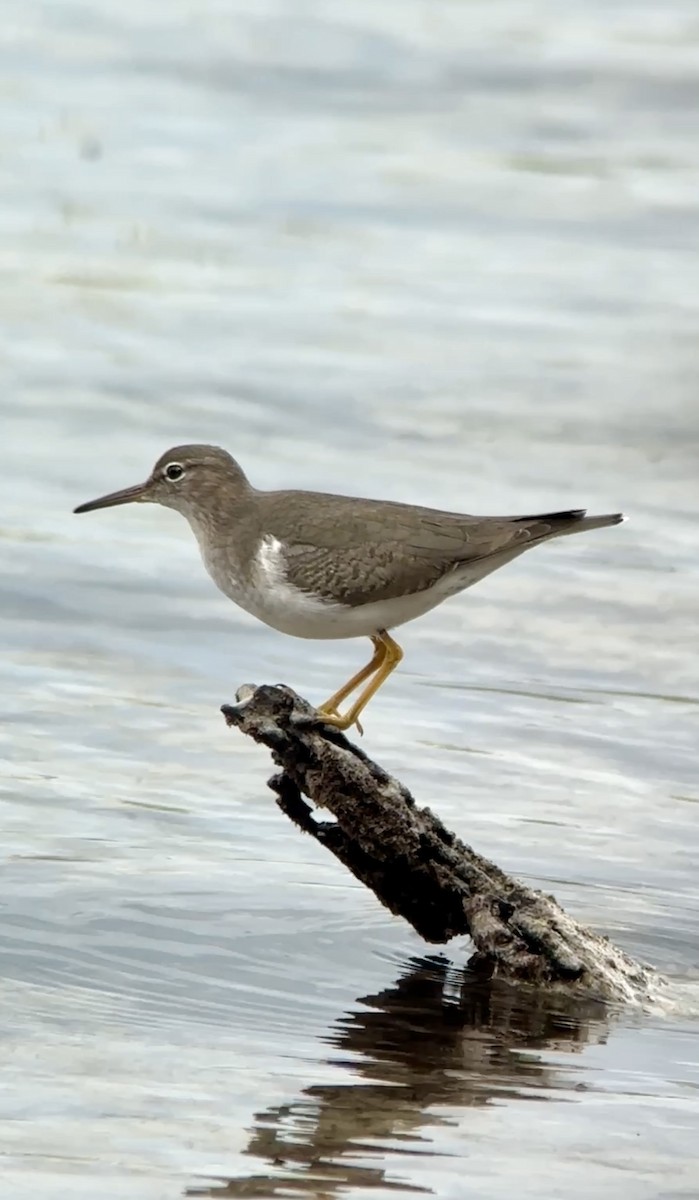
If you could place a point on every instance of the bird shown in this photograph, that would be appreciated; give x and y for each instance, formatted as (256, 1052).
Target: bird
(321, 566)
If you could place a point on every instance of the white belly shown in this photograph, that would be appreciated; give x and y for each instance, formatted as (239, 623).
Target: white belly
(268, 596)
(304, 616)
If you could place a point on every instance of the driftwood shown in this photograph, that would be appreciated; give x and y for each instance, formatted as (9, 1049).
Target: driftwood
(419, 869)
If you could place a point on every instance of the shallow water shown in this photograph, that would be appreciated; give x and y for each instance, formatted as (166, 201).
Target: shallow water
(443, 253)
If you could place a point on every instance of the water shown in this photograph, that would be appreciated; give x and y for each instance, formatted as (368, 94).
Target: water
(435, 252)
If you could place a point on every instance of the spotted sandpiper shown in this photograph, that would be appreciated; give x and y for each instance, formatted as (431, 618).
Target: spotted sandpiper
(322, 566)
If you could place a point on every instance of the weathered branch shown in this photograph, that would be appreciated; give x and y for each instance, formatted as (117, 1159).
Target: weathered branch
(418, 868)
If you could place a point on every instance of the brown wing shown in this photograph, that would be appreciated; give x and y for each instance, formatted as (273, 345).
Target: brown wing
(358, 552)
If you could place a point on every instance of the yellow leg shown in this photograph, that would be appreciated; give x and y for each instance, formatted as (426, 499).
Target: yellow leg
(331, 706)
(392, 655)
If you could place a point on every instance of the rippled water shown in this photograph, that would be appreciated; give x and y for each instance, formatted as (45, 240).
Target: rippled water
(435, 252)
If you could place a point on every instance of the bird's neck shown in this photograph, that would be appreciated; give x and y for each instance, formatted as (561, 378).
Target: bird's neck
(225, 536)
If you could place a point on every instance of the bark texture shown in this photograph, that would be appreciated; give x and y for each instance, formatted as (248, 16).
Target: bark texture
(419, 869)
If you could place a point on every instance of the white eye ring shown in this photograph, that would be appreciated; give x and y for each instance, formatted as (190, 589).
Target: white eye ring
(173, 472)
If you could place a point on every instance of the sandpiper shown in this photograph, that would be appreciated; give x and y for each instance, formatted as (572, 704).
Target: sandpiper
(315, 565)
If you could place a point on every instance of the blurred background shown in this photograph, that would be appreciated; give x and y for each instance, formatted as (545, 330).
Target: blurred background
(444, 252)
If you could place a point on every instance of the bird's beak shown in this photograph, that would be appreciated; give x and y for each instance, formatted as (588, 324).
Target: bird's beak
(125, 496)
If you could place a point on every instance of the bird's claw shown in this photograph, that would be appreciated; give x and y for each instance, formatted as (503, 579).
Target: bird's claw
(331, 716)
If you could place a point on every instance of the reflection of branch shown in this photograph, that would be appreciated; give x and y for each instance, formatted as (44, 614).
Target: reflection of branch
(413, 1047)
(420, 870)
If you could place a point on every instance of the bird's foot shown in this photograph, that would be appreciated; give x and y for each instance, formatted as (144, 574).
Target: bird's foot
(330, 716)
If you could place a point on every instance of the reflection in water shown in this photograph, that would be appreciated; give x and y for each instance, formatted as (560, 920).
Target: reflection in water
(437, 1038)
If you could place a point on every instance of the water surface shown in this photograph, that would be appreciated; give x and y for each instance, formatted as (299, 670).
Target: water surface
(445, 253)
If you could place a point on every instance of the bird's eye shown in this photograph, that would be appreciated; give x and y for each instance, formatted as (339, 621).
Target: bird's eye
(173, 471)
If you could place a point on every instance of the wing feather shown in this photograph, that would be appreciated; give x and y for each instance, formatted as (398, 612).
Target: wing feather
(358, 552)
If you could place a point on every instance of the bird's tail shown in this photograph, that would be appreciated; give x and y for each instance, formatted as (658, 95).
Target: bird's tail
(601, 522)
(574, 520)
